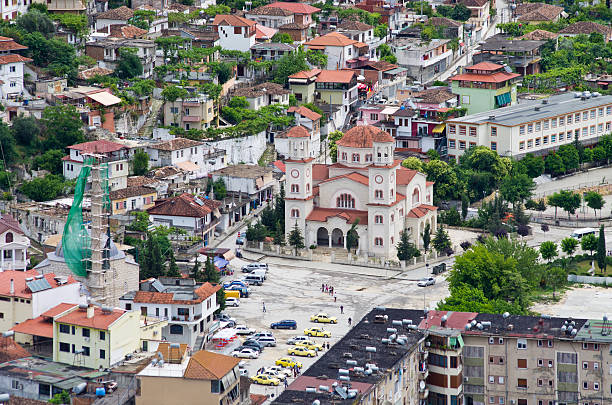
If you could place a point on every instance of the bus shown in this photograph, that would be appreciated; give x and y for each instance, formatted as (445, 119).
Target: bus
(579, 233)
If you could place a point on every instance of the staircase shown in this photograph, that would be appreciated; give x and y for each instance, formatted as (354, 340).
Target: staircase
(199, 343)
(147, 129)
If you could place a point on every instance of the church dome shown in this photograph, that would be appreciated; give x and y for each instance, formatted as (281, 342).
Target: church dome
(364, 136)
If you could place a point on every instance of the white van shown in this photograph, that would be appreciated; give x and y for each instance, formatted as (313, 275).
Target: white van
(579, 233)
(267, 341)
(260, 273)
(254, 279)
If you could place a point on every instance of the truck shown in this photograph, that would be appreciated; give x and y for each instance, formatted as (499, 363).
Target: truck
(232, 293)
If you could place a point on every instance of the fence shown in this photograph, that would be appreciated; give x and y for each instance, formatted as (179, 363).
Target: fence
(573, 278)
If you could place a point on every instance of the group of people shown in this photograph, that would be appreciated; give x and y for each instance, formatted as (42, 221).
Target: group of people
(327, 289)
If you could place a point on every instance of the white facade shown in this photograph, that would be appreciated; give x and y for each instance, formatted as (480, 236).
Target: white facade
(118, 170)
(206, 158)
(10, 9)
(242, 40)
(14, 250)
(11, 75)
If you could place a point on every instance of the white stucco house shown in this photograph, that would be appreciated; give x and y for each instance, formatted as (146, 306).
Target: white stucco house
(338, 48)
(366, 186)
(235, 33)
(11, 68)
(116, 157)
(307, 127)
(194, 157)
(14, 245)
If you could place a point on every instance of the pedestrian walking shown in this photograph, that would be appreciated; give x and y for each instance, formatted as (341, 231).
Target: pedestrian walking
(326, 288)
(332, 291)
(341, 309)
(349, 320)
(286, 383)
(335, 298)
(322, 287)
(263, 306)
(327, 345)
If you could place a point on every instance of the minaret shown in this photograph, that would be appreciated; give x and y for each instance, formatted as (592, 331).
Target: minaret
(298, 181)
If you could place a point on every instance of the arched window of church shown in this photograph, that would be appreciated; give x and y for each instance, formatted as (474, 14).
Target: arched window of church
(295, 213)
(416, 196)
(295, 188)
(378, 194)
(9, 237)
(345, 201)
(308, 187)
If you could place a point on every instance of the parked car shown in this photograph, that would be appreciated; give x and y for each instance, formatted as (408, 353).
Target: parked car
(284, 324)
(240, 240)
(294, 340)
(301, 351)
(244, 291)
(247, 347)
(262, 333)
(288, 362)
(240, 283)
(254, 344)
(265, 380)
(254, 279)
(232, 302)
(274, 374)
(246, 353)
(281, 370)
(310, 344)
(424, 282)
(225, 318)
(323, 318)
(254, 266)
(266, 340)
(243, 330)
(317, 332)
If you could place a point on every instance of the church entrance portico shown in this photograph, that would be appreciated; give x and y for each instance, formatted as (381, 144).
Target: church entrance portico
(337, 238)
(322, 237)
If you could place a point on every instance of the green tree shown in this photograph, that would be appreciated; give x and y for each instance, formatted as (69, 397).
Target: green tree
(569, 245)
(151, 258)
(173, 270)
(7, 141)
(566, 200)
(445, 177)
(554, 164)
(352, 238)
(570, 156)
(61, 398)
(289, 64)
(381, 30)
(61, 126)
(517, 188)
(548, 250)
(43, 188)
(594, 201)
(601, 250)
(468, 299)
(385, 53)
(140, 163)
(426, 237)
(211, 274)
(239, 102)
(35, 21)
(589, 242)
(219, 189)
(141, 222)
(556, 277)
(296, 239)
(441, 241)
(279, 234)
(172, 93)
(279, 207)
(25, 129)
(406, 249)
(332, 138)
(128, 65)
(413, 163)
(51, 161)
(599, 154)
(196, 272)
(465, 204)
(316, 58)
(282, 37)
(533, 164)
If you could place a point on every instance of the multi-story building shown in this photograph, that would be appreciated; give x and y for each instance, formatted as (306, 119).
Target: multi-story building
(115, 16)
(263, 95)
(271, 17)
(132, 198)
(27, 294)
(586, 28)
(235, 33)
(11, 66)
(423, 59)
(256, 181)
(366, 187)
(536, 126)
(271, 50)
(338, 88)
(196, 112)
(302, 12)
(186, 305)
(115, 155)
(520, 54)
(13, 245)
(188, 155)
(485, 86)
(536, 13)
(302, 84)
(338, 48)
(107, 51)
(204, 378)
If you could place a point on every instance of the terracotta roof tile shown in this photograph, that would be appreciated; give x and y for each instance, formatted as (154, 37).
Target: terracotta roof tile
(293, 26)
(19, 282)
(260, 90)
(8, 222)
(9, 44)
(443, 22)
(354, 176)
(39, 326)
(585, 27)
(296, 8)
(133, 191)
(320, 172)
(262, 32)
(122, 13)
(335, 76)
(421, 211)
(58, 309)
(184, 205)
(205, 365)
(232, 20)
(99, 146)
(11, 350)
(99, 320)
(89, 73)
(488, 78)
(305, 112)
(126, 31)
(280, 165)
(485, 66)
(539, 35)
(322, 214)
(364, 136)
(404, 175)
(382, 65)
(273, 11)
(176, 144)
(331, 39)
(135, 181)
(434, 96)
(474, 3)
(305, 74)
(353, 25)
(297, 131)
(13, 58)
(537, 12)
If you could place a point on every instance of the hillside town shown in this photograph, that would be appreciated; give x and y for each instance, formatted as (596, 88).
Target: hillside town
(258, 202)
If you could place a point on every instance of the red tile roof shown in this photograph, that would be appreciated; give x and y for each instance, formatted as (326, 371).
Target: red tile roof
(19, 282)
(9, 44)
(586, 27)
(203, 292)
(320, 172)
(280, 165)
(404, 175)
(13, 58)
(121, 13)
(335, 76)
(11, 350)
(455, 320)
(357, 177)
(176, 144)
(331, 39)
(205, 365)
(321, 215)
(305, 112)
(297, 8)
(421, 211)
(232, 20)
(39, 326)
(485, 66)
(8, 222)
(184, 205)
(99, 320)
(364, 136)
(297, 132)
(305, 74)
(99, 146)
(268, 10)
(497, 77)
(262, 32)
(58, 309)
(126, 31)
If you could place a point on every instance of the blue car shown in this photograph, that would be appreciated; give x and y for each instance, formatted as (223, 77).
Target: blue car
(240, 240)
(284, 324)
(239, 283)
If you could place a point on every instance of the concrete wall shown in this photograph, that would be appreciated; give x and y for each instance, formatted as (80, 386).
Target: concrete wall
(167, 390)
(245, 149)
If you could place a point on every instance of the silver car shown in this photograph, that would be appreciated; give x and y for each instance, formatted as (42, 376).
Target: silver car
(424, 282)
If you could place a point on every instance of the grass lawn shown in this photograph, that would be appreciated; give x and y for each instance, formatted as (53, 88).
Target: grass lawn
(582, 268)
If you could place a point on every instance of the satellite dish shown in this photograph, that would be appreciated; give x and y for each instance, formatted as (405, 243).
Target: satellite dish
(422, 384)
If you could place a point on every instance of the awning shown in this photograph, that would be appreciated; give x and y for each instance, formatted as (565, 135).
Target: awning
(439, 128)
(603, 83)
(220, 262)
(460, 340)
(503, 99)
(188, 166)
(396, 71)
(104, 98)
(389, 110)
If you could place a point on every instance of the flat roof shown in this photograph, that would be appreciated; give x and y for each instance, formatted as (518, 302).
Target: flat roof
(511, 45)
(525, 111)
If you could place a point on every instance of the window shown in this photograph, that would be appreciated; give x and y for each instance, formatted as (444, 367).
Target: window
(561, 121)
(86, 332)
(596, 386)
(540, 343)
(295, 188)
(102, 335)
(522, 130)
(452, 129)
(451, 144)
(85, 350)
(378, 194)
(569, 119)
(540, 362)
(355, 157)
(553, 138)
(530, 143)
(585, 115)
(500, 379)
(462, 145)
(546, 124)
(592, 129)
(493, 145)
(465, 99)
(378, 241)
(521, 363)
(472, 131)
(522, 383)
(601, 111)
(550, 343)
(491, 379)
(368, 157)
(378, 219)
(344, 156)
(295, 213)
(576, 118)
(64, 328)
(529, 128)
(545, 140)
(502, 400)
(102, 353)
(561, 136)
(521, 344)
(553, 122)
(493, 131)
(595, 346)
(374, 117)
(595, 365)
(345, 201)
(522, 145)
(537, 143)
(462, 130)
(500, 341)
(540, 382)
(585, 346)
(491, 400)
(585, 365)
(585, 385)
(550, 363)
(64, 347)
(592, 114)
(538, 127)
(176, 329)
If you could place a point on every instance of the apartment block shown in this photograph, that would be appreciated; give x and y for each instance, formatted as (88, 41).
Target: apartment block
(533, 126)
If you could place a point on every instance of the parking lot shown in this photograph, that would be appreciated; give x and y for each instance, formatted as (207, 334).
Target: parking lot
(295, 293)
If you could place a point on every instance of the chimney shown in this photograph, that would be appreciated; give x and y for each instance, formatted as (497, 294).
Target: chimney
(12, 290)
(90, 311)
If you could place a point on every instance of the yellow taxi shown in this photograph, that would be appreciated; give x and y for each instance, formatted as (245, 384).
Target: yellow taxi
(288, 362)
(301, 351)
(323, 318)
(317, 332)
(264, 379)
(310, 345)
